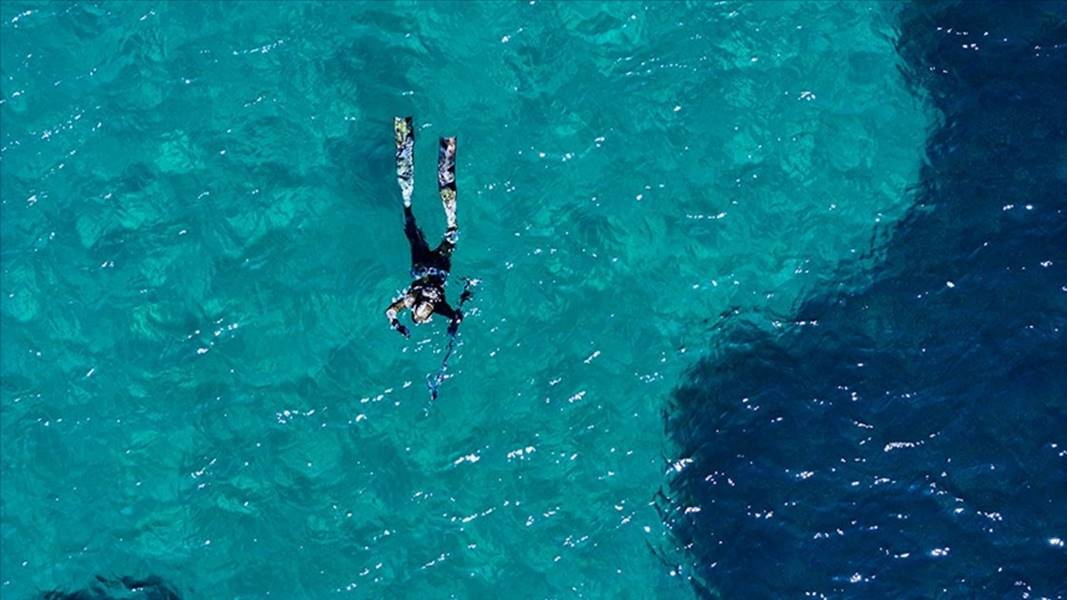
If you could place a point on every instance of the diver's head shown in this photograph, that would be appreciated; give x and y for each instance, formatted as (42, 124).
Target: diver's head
(422, 312)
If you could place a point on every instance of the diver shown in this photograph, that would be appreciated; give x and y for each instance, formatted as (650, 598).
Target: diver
(429, 268)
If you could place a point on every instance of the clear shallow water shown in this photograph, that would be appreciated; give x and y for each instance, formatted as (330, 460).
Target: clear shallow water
(201, 229)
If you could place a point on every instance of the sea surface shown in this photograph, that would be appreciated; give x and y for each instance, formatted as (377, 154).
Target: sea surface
(772, 300)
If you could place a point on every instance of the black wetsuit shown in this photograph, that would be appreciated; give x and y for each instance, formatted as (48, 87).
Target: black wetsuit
(430, 268)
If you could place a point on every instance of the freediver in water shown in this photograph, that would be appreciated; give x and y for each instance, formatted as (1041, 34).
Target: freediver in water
(429, 268)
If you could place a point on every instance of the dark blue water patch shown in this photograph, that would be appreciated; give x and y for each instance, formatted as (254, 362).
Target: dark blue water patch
(905, 438)
(124, 588)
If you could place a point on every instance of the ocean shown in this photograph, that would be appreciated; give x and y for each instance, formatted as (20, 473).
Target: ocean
(772, 300)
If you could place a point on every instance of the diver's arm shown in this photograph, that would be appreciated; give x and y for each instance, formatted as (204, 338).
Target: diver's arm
(442, 308)
(393, 310)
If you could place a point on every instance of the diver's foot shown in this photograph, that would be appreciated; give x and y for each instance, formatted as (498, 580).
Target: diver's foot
(405, 157)
(446, 163)
(403, 129)
(452, 235)
(448, 201)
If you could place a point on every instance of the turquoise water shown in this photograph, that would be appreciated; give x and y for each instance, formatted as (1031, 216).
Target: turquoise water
(201, 229)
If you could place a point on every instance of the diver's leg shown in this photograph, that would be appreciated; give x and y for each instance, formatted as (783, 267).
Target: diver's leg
(420, 250)
(446, 178)
(405, 157)
(405, 171)
(446, 184)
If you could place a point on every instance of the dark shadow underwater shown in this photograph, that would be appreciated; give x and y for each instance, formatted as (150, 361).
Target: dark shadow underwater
(910, 443)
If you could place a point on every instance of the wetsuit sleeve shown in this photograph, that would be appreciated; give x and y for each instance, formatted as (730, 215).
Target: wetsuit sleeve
(392, 312)
(442, 308)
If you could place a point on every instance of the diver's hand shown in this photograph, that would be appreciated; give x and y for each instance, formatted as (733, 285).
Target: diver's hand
(400, 328)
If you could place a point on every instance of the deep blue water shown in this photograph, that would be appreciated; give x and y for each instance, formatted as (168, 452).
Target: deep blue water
(907, 439)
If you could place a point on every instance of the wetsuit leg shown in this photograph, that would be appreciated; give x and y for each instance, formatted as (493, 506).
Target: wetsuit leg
(421, 255)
